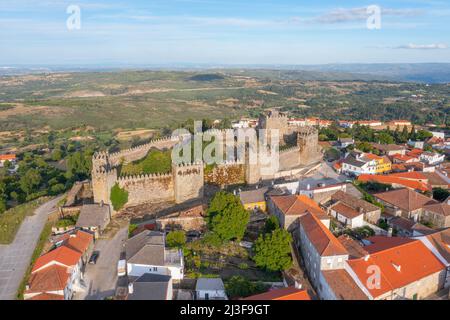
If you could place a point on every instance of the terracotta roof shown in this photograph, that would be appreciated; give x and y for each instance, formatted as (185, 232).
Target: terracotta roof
(403, 158)
(79, 241)
(343, 285)
(346, 211)
(400, 265)
(442, 209)
(354, 249)
(414, 152)
(380, 243)
(63, 255)
(435, 179)
(405, 199)
(441, 241)
(412, 184)
(322, 239)
(52, 278)
(413, 175)
(289, 293)
(9, 157)
(47, 296)
(298, 205)
(388, 147)
(353, 201)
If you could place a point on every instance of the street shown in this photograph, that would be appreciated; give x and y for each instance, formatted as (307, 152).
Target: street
(101, 278)
(16, 257)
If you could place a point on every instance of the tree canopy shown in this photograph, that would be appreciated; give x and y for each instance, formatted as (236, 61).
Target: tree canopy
(272, 250)
(227, 216)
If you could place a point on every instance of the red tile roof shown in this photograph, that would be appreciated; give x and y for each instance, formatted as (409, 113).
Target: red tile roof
(62, 255)
(442, 209)
(80, 241)
(405, 199)
(52, 278)
(9, 157)
(411, 184)
(298, 205)
(343, 285)
(322, 239)
(413, 175)
(346, 211)
(289, 293)
(47, 296)
(400, 265)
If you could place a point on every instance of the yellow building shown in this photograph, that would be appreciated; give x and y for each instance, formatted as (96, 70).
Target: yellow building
(383, 164)
(254, 199)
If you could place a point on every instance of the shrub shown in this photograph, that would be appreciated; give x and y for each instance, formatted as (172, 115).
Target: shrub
(131, 229)
(176, 239)
(119, 197)
(271, 224)
(238, 286)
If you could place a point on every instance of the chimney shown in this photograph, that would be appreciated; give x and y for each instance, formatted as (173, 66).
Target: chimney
(366, 258)
(130, 288)
(389, 234)
(297, 285)
(308, 186)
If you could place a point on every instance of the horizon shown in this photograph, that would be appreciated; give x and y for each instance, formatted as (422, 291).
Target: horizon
(216, 32)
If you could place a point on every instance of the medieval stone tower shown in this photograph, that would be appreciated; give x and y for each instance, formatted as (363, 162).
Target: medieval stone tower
(308, 142)
(188, 181)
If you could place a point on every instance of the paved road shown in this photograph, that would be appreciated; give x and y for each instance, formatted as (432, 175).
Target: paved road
(101, 278)
(15, 257)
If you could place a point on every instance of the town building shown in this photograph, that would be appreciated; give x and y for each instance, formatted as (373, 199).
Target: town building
(210, 289)
(94, 218)
(404, 202)
(146, 253)
(437, 214)
(254, 199)
(150, 286)
(288, 208)
(351, 210)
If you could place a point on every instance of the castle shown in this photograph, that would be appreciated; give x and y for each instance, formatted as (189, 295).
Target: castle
(186, 181)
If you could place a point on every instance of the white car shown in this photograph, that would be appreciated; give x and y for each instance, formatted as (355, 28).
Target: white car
(121, 268)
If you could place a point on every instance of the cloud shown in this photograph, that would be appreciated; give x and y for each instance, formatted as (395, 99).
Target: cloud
(343, 15)
(432, 46)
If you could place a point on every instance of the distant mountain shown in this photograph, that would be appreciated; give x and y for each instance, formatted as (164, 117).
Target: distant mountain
(401, 72)
(415, 72)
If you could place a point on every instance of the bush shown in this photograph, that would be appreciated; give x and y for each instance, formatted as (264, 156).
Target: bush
(440, 194)
(271, 224)
(131, 229)
(119, 197)
(243, 266)
(176, 239)
(237, 287)
(272, 251)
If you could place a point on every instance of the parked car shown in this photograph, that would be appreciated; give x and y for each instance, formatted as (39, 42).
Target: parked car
(121, 268)
(94, 257)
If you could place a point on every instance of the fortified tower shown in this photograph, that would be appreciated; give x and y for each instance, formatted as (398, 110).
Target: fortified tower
(188, 181)
(308, 142)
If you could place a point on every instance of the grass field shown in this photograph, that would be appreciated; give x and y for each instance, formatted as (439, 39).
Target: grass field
(132, 100)
(11, 219)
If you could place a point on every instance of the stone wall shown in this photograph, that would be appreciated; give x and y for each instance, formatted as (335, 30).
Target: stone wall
(188, 181)
(289, 158)
(148, 187)
(229, 173)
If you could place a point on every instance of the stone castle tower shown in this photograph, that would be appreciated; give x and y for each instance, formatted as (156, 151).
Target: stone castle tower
(308, 142)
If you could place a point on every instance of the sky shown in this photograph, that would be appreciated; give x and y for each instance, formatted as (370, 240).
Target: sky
(222, 32)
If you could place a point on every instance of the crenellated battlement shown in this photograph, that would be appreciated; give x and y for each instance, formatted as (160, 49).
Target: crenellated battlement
(291, 149)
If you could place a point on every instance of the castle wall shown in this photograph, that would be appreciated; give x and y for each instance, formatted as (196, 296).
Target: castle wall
(289, 159)
(188, 181)
(226, 174)
(139, 152)
(148, 187)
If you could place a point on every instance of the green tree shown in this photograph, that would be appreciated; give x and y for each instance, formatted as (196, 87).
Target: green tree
(272, 251)
(440, 194)
(271, 224)
(238, 287)
(176, 239)
(119, 197)
(30, 181)
(227, 216)
(385, 138)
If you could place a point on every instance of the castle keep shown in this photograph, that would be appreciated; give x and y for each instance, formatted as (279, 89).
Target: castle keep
(186, 181)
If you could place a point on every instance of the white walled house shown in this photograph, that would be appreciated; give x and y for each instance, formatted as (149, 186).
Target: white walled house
(347, 215)
(210, 289)
(320, 249)
(432, 158)
(146, 253)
